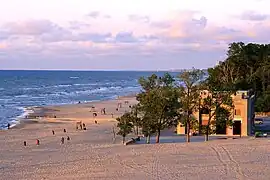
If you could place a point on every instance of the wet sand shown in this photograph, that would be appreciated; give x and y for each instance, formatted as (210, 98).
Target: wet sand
(93, 154)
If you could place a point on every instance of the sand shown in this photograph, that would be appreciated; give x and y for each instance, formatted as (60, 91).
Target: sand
(93, 154)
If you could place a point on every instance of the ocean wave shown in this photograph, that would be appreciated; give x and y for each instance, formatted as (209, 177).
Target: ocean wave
(74, 77)
(46, 87)
(92, 91)
(22, 96)
(87, 84)
(25, 111)
(62, 85)
(31, 88)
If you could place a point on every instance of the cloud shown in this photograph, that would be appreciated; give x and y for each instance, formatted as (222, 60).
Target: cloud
(77, 25)
(177, 37)
(31, 27)
(138, 18)
(94, 14)
(43, 30)
(126, 37)
(94, 37)
(254, 16)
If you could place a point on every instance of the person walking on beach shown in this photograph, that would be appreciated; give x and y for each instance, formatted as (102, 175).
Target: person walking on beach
(103, 111)
(8, 126)
(53, 132)
(37, 142)
(84, 127)
(62, 140)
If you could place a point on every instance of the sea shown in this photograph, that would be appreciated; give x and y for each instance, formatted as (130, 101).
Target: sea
(22, 89)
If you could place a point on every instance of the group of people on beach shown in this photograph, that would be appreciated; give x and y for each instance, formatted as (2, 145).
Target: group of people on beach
(81, 125)
(53, 132)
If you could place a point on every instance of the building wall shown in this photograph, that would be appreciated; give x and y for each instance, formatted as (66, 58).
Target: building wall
(240, 113)
(243, 111)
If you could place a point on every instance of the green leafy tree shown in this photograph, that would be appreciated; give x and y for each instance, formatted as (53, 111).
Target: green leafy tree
(194, 123)
(125, 125)
(263, 102)
(159, 103)
(246, 67)
(223, 119)
(148, 127)
(190, 94)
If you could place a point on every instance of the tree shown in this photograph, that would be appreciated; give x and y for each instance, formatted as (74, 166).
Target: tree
(159, 103)
(136, 121)
(125, 125)
(263, 102)
(223, 119)
(194, 123)
(189, 94)
(246, 67)
(212, 103)
(148, 127)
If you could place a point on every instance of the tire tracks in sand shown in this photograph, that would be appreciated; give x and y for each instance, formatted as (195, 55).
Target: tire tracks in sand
(227, 160)
(237, 165)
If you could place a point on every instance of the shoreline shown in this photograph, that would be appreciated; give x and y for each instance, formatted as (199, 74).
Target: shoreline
(31, 114)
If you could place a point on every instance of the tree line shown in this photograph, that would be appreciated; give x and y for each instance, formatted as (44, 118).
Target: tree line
(166, 100)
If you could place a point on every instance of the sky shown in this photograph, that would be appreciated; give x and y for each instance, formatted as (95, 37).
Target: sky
(126, 34)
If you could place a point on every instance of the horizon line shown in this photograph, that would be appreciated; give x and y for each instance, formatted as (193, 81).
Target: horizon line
(96, 70)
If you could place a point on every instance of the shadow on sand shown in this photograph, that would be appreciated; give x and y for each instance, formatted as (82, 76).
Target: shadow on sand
(168, 136)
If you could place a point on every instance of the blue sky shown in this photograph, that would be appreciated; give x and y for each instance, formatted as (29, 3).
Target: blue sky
(126, 34)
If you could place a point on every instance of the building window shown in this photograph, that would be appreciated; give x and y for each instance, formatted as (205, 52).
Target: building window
(237, 112)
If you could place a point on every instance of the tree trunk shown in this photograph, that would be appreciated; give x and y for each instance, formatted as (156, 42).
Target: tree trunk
(206, 138)
(148, 139)
(188, 132)
(157, 136)
(134, 130)
(137, 130)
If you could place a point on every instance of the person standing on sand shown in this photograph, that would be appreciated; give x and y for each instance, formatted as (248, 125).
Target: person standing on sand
(8, 126)
(84, 127)
(62, 140)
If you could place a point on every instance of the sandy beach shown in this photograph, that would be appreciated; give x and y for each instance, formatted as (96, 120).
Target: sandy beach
(93, 154)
